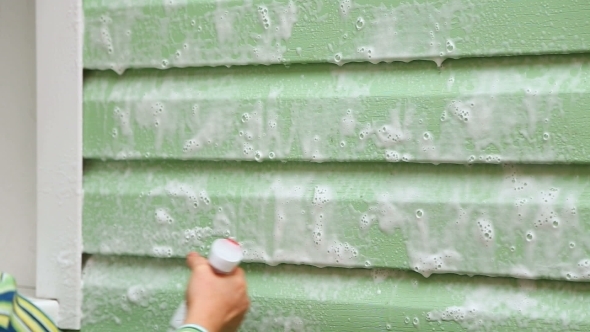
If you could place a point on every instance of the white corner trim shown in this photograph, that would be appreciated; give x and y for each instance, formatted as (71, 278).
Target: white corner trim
(59, 32)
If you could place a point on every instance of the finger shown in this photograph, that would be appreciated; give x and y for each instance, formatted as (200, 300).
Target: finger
(193, 260)
(239, 272)
(236, 273)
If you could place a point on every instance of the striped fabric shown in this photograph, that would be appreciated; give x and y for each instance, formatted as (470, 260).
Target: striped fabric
(17, 314)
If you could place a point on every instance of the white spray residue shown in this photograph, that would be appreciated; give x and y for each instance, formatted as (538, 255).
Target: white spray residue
(484, 219)
(405, 31)
(489, 307)
(492, 112)
(537, 220)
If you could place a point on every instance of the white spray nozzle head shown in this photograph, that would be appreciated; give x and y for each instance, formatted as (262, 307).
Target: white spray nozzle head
(225, 255)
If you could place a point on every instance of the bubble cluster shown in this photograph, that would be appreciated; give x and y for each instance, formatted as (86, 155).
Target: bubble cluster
(366, 220)
(247, 148)
(264, 17)
(204, 197)
(462, 114)
(493, 159)
(107, 40)
(162, 251)
(547, 220)
(162, 216)
(345, 6)
(321, 196)
(191, 145)
(388, 135)
(198, 234)
(486, 230)
(392, 156)
(342, 251)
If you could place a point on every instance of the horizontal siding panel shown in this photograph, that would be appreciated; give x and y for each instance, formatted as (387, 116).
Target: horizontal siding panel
(523, 221)
(172, 33)
(127, 294)
(530, 110)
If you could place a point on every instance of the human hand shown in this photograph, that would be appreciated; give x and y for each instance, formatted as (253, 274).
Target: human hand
(215, 302)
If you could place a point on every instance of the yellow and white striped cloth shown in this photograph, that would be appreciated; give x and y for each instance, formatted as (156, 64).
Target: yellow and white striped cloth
(17, 314)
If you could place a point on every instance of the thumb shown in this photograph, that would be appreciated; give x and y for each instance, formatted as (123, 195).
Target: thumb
(193, 260)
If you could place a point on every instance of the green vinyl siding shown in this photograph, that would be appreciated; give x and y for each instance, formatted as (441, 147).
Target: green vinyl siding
(530, 110)
(132, 294)
(371, 190)
(187, 33)
(481, 219)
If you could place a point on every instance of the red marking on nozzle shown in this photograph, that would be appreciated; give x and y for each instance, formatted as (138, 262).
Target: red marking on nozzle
(233, 241)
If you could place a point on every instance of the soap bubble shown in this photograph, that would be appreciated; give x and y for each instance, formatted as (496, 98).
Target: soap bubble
(360, 23)
(258, 156)
(529, 236)
(419, 213)
(546, 136)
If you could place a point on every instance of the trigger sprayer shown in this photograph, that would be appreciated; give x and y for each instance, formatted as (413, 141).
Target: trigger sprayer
(225, 255)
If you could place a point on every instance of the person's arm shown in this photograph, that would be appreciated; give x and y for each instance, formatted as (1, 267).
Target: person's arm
(214, 302)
